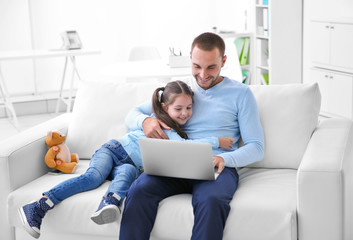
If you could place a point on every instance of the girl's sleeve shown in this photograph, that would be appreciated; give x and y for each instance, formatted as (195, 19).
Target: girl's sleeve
(137, 115)
(173, 135)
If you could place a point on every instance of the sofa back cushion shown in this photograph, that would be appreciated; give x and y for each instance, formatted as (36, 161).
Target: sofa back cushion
(99, 113)
(289, 115)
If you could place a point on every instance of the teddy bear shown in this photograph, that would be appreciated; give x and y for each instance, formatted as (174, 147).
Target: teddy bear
(58, 156)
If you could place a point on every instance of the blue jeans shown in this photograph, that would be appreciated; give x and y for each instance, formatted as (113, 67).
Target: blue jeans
(110, 162)
(210, 200)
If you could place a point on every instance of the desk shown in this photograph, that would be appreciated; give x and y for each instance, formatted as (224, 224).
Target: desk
(145, 69)
(35, 54)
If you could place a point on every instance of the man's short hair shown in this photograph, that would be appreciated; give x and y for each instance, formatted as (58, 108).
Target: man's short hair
(208, 41)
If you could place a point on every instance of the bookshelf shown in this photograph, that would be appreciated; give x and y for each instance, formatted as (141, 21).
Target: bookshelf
(278, 42)
(244, 47)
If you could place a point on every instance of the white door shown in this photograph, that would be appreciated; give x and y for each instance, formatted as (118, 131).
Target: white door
(340, 95)
(342, 45)
(320, 42)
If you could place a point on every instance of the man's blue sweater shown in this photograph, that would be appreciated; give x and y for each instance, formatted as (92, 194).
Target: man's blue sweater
(228, 109)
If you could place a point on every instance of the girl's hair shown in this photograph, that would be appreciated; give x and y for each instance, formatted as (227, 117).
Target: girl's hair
(167, 96)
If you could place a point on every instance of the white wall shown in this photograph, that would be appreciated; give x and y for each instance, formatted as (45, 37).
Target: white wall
(15, 34)
(113, 26)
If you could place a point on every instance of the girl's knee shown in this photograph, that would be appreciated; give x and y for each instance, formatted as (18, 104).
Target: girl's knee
(125, 171)
(130, 170)
(93, 177)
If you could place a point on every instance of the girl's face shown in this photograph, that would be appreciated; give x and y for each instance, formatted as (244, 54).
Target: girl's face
(180, 110)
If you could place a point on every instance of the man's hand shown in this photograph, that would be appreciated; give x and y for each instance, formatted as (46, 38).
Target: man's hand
(226, 142)
(152, 128)
(219, 163)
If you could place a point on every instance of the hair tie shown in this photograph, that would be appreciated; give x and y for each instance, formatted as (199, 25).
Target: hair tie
(160, 92)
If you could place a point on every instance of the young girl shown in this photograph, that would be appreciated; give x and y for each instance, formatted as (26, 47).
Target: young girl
(120, 161)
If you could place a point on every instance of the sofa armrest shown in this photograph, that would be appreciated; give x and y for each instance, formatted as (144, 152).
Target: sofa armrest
(22, 161)
(325, 183)
(22, 156)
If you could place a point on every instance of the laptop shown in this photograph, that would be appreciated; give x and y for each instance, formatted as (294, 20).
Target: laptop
(170, 158)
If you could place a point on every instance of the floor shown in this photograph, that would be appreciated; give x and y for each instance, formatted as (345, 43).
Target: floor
(8, 128)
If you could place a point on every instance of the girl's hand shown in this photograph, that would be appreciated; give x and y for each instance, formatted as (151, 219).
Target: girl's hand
(226, 142)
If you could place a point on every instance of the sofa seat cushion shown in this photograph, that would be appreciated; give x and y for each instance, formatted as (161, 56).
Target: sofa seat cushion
(264, 205)
(71, 215)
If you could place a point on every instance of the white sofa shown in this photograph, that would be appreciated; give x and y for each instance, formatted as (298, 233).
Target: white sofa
(302, 189)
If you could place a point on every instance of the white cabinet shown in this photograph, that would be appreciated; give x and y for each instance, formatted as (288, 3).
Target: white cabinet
(336, 91)
(332, 45)
(331, 60)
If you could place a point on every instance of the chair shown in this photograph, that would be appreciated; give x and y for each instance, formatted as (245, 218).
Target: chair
(144, 53)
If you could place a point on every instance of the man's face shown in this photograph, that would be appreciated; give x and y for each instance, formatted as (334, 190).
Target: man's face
(206, 66)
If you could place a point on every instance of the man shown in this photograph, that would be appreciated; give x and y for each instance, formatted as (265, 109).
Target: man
(223, 107)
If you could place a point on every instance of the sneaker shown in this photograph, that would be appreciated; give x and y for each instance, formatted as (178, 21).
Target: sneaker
(108, 210)
(33, 213)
